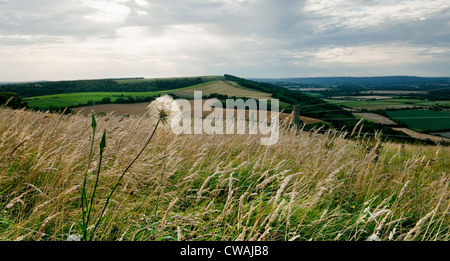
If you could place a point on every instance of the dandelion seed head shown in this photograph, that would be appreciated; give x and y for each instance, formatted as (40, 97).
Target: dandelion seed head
(163, 108)
(74, 238)
(373, 238)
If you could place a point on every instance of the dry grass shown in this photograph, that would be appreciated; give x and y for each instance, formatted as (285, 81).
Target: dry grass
(309, 186)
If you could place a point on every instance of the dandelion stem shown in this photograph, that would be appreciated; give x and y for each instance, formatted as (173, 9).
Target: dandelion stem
(102, 146)
(120, 179)
(83, 190)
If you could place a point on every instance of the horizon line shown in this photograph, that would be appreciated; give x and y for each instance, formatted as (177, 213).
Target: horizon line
(211, 75)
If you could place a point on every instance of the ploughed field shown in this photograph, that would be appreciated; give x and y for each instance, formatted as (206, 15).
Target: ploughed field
(141, 109)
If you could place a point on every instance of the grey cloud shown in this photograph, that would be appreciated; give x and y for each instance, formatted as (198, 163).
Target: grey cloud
(270, 37)
(48, 18)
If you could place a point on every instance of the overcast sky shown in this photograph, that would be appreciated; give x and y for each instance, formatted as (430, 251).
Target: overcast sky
(88, 39)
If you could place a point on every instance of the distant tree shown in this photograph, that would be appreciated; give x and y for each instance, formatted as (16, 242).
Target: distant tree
(105, 100)
(218, 96)
(12, 100)
(121, 100)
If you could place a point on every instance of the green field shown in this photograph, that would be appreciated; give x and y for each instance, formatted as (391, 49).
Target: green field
(75, 99)
(424, 120)
(84, 98)
(387, 104)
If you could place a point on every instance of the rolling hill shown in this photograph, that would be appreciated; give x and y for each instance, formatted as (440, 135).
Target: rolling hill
(222, 87)
(63, 96)
(89, 98)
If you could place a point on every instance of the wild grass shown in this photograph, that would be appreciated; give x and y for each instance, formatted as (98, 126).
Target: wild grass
(309, 186)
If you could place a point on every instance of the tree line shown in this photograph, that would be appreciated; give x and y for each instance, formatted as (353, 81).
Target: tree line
(103, 85)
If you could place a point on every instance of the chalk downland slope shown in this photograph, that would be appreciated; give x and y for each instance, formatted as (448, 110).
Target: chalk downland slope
(422, 136)
(222, 87)
(377, 118)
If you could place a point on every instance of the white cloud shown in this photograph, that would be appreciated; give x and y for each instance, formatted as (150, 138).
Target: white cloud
(107, 11)
(359, 14)
(387, 54)
(371, 60)
(141, 2)
(134, 51)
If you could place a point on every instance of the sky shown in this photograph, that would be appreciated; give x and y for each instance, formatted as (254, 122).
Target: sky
(93, 39)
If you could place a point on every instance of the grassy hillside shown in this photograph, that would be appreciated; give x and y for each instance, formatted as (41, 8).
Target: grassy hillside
(309, 186)
(222, 87)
